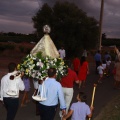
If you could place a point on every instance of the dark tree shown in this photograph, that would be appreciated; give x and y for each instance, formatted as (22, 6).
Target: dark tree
(70, 26)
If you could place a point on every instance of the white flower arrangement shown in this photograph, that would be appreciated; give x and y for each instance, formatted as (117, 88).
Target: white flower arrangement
(37, 66)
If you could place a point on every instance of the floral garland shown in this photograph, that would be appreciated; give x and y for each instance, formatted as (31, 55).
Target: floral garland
(37, 66)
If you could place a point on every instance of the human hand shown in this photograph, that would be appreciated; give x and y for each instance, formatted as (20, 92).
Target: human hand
(63, 118)
(63, 112)
(88, 72)
(91, 108)
(22, 74)
(2, 101)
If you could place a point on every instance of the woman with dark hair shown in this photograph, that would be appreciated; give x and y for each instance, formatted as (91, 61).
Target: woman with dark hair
(83, 71)
(76, 64)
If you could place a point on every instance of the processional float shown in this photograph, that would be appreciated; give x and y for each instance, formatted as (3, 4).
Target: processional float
(47, 47)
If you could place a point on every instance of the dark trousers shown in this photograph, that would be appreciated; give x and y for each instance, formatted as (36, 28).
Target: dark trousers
(47, 112)
(97, 64)
(11, 105)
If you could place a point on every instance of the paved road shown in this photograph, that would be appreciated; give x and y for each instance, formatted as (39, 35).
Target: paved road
(104, 93)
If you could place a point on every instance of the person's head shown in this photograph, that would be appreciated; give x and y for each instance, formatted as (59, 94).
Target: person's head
(12, 67)
(81, 97)
(51, 72)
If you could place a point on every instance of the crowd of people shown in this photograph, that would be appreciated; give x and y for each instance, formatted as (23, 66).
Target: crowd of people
(58, 92)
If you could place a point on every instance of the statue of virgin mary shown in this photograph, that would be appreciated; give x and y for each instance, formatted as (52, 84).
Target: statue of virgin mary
(46, 45)
(34, 66)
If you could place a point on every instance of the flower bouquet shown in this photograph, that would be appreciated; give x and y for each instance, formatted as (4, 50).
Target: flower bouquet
(36, 66)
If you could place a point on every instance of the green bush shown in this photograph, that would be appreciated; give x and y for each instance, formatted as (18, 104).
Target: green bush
(10, 46)
(28, 50)
(6, 46)
(22, 49)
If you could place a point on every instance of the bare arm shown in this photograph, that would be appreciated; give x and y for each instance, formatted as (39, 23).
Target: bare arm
(77, 81)
(88, 69)
(91, 109)
(68, 115)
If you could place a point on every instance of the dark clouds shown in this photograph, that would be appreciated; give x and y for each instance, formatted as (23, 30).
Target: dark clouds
(16, 15)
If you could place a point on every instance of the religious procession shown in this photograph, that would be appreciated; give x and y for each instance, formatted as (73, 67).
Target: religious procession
(62, 89)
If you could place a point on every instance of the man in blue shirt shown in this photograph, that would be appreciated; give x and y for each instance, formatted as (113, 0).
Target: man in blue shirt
(53, 93)
(97, 58)
(107, 55)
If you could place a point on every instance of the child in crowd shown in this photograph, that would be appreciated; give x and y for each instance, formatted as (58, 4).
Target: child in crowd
(100, 71)
(104, 67)
(108, 63)
(79, 110)
(25, 98)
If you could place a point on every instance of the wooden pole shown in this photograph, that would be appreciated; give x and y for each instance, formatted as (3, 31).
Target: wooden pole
(93, 95)
(100, 23)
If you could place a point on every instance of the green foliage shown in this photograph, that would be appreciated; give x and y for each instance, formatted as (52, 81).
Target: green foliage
(2, 47)
(17, 38)
(37, 66)
(70, 26)
(28, 50)
(6, 46)
(21, 48)
(39, 55)
(111, 42)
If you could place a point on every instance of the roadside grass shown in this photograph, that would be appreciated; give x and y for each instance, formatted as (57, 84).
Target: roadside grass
(111, 111)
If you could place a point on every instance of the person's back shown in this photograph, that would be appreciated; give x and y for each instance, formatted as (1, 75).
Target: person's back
(97, 59)
(97, 56)
(67, 85)
(108, 61)
(81, 110)
(68, 80)
(100, 69)
(53, 92)
(62, 53)
(107, 55)
(84, 53)
(11, 84)
(76, 64)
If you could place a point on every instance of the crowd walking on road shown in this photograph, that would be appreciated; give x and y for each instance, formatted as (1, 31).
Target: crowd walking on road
(58, 93)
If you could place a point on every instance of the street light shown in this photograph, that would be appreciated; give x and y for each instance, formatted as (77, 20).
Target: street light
(100, 23)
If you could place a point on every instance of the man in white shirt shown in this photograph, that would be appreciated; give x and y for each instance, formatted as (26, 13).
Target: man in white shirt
(62, 53)
(84, 53)
(10, 86)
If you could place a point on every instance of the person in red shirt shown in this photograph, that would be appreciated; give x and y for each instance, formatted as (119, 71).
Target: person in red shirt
(83, 71)
(76, 64)
(67, 83)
